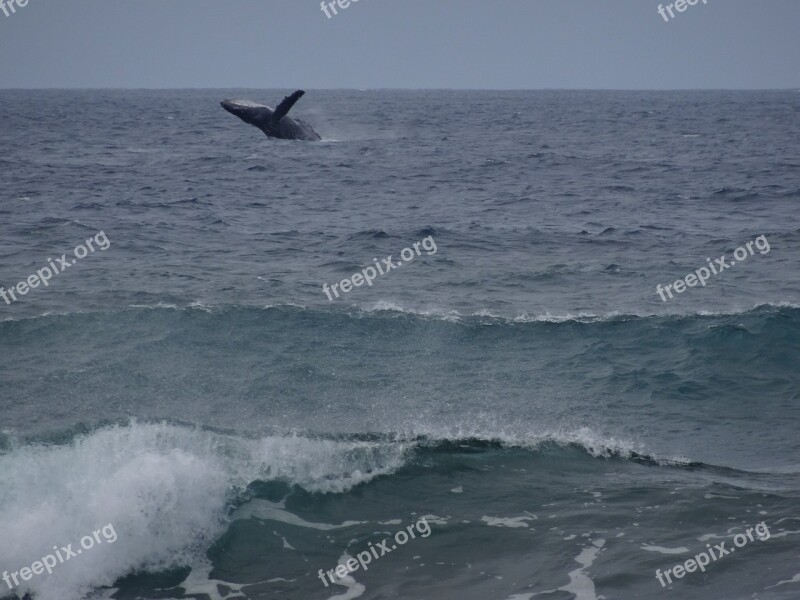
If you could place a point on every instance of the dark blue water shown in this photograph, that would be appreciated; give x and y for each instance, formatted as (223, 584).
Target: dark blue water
(523, 387)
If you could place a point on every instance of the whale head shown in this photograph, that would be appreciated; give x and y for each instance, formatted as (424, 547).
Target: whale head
(249, 112)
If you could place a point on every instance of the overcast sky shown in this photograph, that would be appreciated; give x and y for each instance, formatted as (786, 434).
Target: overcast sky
(506, 44)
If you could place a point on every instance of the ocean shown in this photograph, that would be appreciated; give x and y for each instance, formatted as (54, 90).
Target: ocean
(564, 430)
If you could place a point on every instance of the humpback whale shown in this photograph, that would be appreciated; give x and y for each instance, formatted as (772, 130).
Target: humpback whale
(274, 123)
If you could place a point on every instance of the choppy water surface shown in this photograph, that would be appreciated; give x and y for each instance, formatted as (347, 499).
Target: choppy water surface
(523, 388)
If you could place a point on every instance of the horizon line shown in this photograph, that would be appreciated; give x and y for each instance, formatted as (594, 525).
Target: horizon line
(412, 89)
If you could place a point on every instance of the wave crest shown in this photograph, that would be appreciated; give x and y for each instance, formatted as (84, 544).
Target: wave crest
(166, 489)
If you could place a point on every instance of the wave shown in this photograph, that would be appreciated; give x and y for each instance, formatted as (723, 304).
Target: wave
(166, 489)
(577, 317)
(485, 315)
(170, 490)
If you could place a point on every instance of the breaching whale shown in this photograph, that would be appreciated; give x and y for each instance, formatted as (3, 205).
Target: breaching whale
(274, 123)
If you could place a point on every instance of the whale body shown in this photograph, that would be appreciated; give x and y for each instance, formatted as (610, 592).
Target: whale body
(275, 123)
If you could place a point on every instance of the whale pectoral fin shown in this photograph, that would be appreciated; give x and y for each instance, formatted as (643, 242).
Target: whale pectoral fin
(286, 105)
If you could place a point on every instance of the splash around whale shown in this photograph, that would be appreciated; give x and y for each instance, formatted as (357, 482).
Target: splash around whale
(275, 123)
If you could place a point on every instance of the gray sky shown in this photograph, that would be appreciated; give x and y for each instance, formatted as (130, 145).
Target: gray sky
(610, 44)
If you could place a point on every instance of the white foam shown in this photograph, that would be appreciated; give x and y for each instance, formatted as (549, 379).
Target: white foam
(433, 519)
(164, 488)
(199, 582)
(782, 519)
(663, 550)
(579, 582)
(274, 511)
(354, 589)
(512, 522)
(783, 534)
(795, 579)
(387, 306)
(711, 536)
